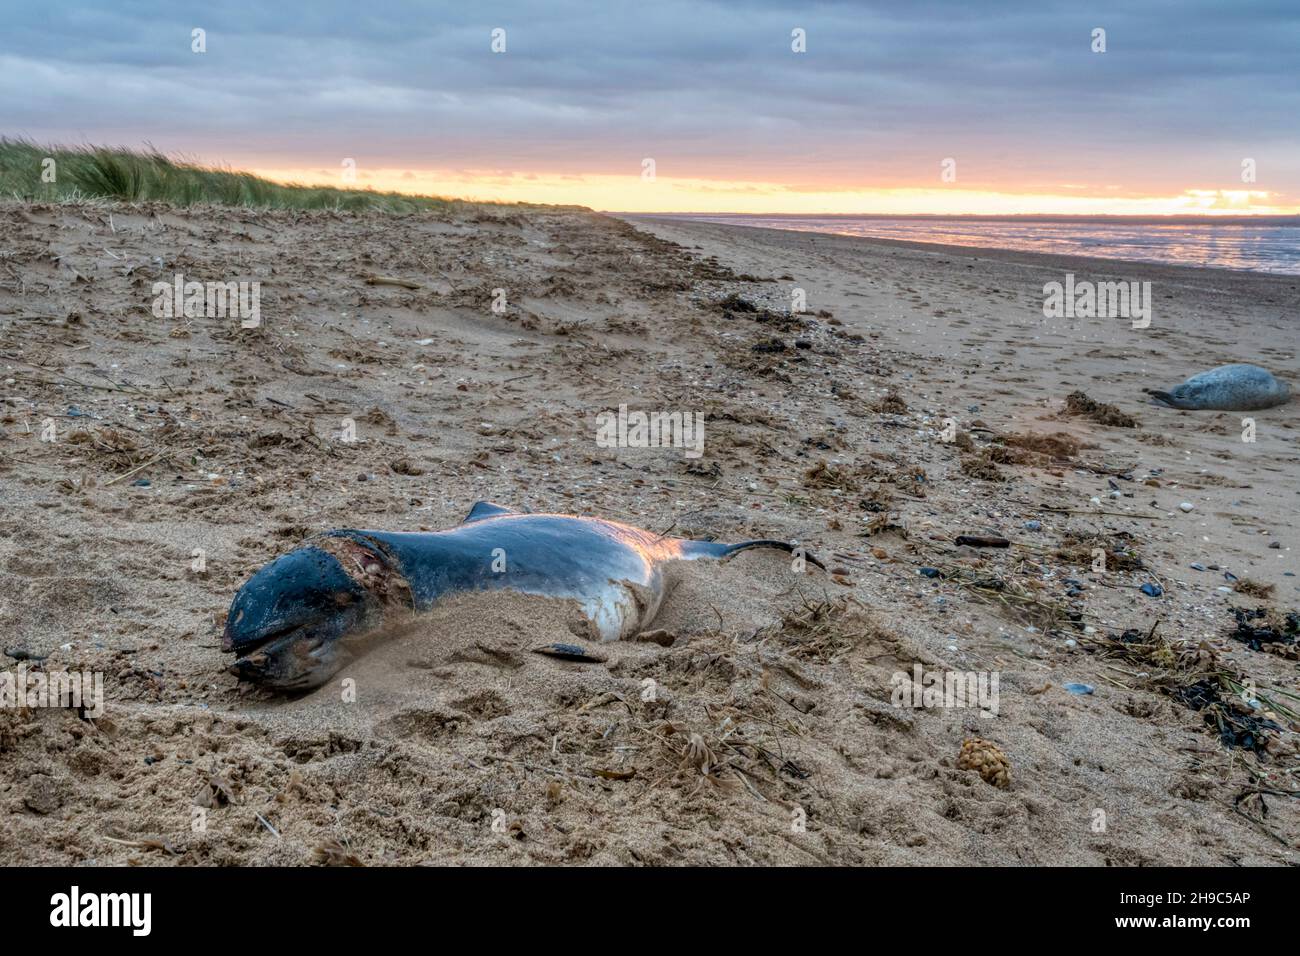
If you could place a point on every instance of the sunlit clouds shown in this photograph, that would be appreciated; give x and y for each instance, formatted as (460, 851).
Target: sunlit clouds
(1184, 100)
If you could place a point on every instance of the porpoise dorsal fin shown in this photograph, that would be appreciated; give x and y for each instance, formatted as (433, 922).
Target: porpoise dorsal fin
(486, 509)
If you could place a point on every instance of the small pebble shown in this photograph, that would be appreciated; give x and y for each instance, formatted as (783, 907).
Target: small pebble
(1198, 567)
(1185, 506)
(1033, 526)
(929, 572)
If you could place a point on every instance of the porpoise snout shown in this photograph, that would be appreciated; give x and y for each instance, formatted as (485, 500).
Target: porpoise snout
(286, 621)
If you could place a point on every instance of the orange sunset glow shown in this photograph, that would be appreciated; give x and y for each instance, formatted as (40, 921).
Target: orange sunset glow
(684, 194)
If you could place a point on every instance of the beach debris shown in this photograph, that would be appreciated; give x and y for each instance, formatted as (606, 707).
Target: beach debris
(217, 791)
(697, 754)
(392, 280)
(1229, 715)
(1151, 590)
(333, 853)
(1266, 629)
(569, 652)
(1033, 526)
(658, 636)
(43, 795)
(711, 470)
(1253, 588)
(1035, 448)
(929, 572)
(981, 467)
(1194, 675)
(982, 541)
(404, 466)
(1119, 547)
(890, 404)
(734, 303)
(145, 843)
(1081, 689)
(1079, 405)
(826, 475)
(986, 759)
(819, 630)
(614, 774)
(1019, 602)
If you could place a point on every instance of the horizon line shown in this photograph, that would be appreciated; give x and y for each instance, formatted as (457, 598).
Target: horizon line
(1135, 219)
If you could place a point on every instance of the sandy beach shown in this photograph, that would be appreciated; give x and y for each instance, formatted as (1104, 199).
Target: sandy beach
(921, 395)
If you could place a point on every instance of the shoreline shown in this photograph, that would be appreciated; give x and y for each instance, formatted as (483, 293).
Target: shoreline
(993, 253)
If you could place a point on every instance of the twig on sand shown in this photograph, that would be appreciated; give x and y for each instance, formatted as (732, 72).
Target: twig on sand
(148, 843)
(392, 280)
(112, 387)
(139, 467)
(1094, 511)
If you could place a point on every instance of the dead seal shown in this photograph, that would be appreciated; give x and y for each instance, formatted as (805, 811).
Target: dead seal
(1229, 388)
(297, 620)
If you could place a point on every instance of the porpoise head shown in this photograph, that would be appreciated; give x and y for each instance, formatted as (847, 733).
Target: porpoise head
(1174, 398)
(289, 620)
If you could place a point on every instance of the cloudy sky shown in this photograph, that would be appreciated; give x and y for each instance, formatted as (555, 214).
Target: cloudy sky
(733, 119)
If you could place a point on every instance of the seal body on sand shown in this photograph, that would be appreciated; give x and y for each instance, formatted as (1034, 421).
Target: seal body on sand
(1229, 388)
(291, 622)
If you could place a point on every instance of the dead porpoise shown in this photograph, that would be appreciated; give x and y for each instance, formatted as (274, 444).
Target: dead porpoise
(292, 621)
(1229, 388)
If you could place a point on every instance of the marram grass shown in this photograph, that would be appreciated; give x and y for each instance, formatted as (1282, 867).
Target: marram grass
(123, 175)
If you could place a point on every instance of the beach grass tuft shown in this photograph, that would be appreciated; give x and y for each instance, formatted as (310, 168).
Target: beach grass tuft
(82, 173)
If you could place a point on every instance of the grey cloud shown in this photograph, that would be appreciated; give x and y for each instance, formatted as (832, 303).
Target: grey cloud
(707, 88)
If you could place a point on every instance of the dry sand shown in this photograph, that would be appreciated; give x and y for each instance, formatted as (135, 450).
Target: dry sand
(765, 732)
